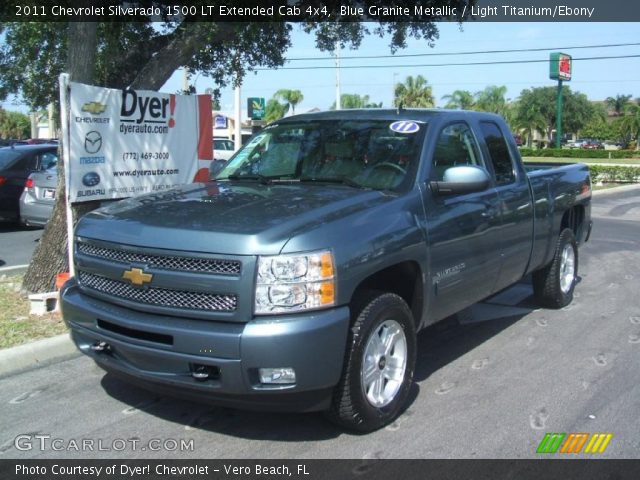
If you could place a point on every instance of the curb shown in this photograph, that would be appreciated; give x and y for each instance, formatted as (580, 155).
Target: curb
(36, 354)
(611, 191)
(13, 270)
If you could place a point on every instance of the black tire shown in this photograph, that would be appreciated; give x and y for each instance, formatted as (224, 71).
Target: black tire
(351, 407)
(547, 282)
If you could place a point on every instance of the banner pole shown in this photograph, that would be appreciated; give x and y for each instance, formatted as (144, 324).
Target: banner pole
(63, 81)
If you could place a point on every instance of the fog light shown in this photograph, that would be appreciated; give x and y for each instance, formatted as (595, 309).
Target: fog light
(277, 375)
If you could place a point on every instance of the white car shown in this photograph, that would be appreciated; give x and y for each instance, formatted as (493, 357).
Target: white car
(223, 148)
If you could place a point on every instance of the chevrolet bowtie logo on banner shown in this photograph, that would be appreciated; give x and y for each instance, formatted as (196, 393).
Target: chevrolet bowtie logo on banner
(574, 443)
(137, 276)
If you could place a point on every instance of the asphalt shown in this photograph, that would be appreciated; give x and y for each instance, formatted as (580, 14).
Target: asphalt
(17, 244)
(487, 387)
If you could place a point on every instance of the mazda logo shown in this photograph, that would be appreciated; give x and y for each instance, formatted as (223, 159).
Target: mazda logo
(92, 142)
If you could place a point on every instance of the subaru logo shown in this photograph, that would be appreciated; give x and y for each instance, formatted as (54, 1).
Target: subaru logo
(90, 179)
(92, 142)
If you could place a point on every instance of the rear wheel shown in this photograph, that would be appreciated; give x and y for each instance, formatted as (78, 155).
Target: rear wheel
(379, 366)
(553, 285)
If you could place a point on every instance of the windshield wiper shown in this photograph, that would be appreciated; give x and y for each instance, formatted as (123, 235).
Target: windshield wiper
(340, 180)
(261, 178)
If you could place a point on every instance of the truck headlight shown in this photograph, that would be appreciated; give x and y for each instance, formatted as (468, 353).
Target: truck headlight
(290, 283)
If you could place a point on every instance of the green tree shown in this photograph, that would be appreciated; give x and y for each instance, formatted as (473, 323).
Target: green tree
(618, 103)
(144, 54)
(353, 100)
(14, 125)
(459, 99)
(274, 110)
(413, 93)
(540, 103)
(291, 98)
(528, 119)
(491, 99)
(630, 124)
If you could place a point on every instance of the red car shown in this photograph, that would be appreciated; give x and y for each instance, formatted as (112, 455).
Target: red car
(593, 145)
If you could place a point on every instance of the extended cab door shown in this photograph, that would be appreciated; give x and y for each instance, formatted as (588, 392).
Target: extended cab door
(462, 230)
(512, 185)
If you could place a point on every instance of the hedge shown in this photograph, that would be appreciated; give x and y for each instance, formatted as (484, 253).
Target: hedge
(615, 174)
(578, 153)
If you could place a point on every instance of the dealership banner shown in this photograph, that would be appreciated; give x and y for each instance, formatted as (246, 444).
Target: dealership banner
(130, 142)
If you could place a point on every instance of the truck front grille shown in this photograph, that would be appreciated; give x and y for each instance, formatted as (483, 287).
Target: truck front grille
(162, 297)
(184, 264)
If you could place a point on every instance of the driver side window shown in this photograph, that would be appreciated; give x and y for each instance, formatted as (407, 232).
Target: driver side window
(455, 146)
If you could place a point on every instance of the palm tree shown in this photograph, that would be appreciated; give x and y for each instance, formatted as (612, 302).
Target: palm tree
(529, 118)
(459, 99)
(631, 123)
(290, 97)
(353, 100)
(414, 92)
(491, 99)
(618, 104)
(274, 110)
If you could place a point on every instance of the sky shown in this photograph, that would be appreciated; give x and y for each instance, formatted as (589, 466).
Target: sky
(598, 79)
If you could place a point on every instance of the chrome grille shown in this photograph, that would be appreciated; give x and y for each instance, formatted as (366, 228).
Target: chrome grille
(159, 296)
(185, 264)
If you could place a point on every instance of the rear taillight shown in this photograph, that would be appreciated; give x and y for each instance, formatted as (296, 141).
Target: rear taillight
(3, 180)
(29, 183)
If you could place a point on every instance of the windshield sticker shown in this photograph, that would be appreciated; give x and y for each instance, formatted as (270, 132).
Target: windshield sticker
(404, 127)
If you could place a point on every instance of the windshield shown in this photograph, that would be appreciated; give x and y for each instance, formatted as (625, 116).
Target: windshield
(7, 156)
(377, 154)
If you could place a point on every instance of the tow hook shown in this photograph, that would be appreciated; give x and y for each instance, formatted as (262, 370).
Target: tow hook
(101, 347)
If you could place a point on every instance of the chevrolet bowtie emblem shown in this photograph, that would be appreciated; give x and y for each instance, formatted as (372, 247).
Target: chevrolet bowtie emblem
(137, 276)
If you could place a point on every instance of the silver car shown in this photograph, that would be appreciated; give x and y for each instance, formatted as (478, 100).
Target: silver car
(38, 197)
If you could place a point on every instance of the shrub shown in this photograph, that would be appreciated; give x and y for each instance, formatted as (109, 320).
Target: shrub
(578, 153)
(614, 173)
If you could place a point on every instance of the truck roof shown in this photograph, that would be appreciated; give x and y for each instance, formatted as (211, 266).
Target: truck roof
(419, 114)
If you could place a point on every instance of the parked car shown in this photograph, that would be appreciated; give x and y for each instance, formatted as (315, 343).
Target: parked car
(579, 142)
(223, 148)
(592, 145)
(299, 280)
(16, 164)
(38, 198)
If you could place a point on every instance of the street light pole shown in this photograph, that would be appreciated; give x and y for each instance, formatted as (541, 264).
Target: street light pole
(338, 96)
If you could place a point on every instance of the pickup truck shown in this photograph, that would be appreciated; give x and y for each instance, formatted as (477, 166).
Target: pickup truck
(298, 278)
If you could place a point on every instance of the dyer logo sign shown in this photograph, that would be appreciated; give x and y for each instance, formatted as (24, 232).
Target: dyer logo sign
(167, 135)
(139, 108)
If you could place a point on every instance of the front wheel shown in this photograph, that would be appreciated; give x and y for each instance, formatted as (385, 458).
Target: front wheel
(379, 366)
(553, 285)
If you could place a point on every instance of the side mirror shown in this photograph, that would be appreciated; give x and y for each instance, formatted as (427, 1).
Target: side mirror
(460, 180)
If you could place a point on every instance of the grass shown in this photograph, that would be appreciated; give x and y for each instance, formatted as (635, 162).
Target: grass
(16, 325)
(616, 161)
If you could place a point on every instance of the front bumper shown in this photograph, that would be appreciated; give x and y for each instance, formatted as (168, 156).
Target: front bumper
(162, 352)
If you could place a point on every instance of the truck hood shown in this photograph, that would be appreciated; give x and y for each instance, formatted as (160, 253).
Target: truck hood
(227, 218)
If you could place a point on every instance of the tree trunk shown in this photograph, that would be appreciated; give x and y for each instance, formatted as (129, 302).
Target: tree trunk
(50, 256)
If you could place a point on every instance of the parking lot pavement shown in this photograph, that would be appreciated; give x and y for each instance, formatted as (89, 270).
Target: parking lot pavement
(17, 244)
(488, 386)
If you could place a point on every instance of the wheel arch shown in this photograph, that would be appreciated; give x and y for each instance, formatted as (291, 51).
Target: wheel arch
(405, 279)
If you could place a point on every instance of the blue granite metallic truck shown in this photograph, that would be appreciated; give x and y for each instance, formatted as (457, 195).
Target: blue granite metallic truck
(298, 278)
